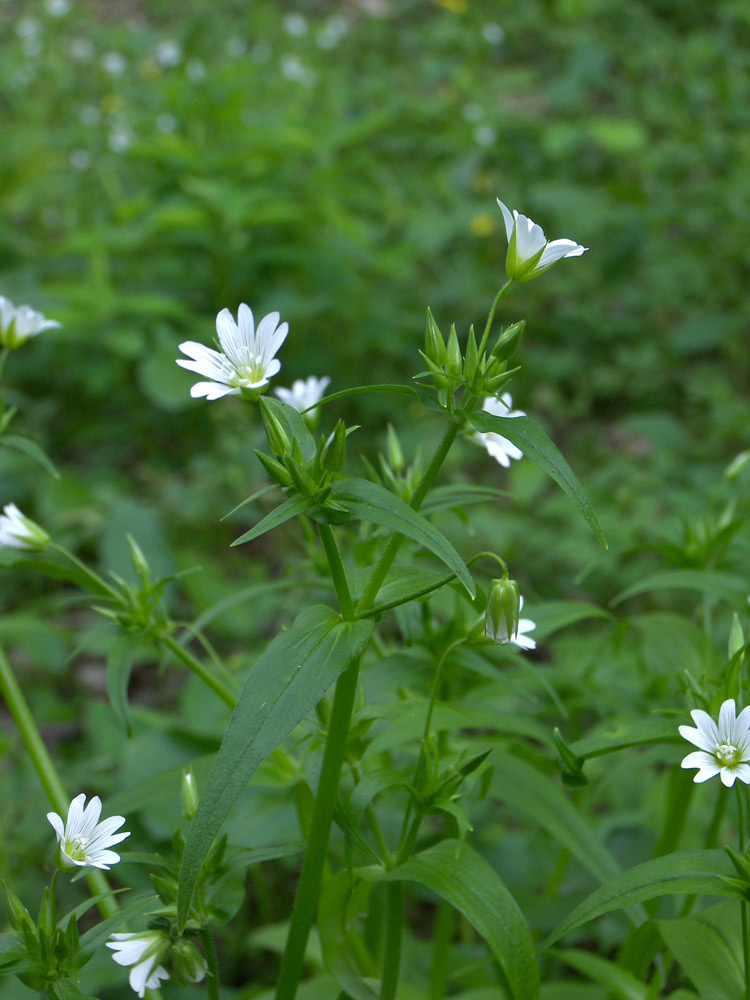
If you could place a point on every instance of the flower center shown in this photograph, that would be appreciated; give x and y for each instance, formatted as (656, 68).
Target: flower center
(76, 846)
(728, 755)
(249, 372)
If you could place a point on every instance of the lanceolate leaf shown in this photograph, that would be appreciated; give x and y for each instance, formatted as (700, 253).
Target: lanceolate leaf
(367, 501)
(119, 665)
(533, 442)
(620, 983)
(694, 872)
(470, 884)
(706, 956)
(640, 732)
(336, 907)
(32, 450)
(724, 586)
(284, 512)
(288, 680)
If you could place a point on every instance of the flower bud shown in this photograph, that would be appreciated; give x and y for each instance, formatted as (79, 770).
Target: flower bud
(471, 360)
(139, 561)
(274, 469)
(503, 610)
(434, 345)
(18, 915)
(277, 437)
(189, 795)
(395, 454)
(454, 361)
(334, 450)
(507, 343)
(188, 962)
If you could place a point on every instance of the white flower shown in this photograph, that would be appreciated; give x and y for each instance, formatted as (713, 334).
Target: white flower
(501, 449)
(19, 532)
(724, 749)
(168, 53)
(143, 951)
(305, 394)
(114, 63)
(529, 253)
(248, 360)
(20, 323)
(83, 839)
(519, 638)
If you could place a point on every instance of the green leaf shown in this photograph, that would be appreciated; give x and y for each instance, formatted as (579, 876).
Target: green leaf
(531, 439)
(253, 496)
(120, 662)
(289, 679)
(284, 512)
(470, 884)
(724, 586)
(534, 795)
(367, 501)
(694, 872)
(706, 956)
(32, 450)
(619, 736)
(357, 390)
(619, 982)
(460, 495)
(551, 616)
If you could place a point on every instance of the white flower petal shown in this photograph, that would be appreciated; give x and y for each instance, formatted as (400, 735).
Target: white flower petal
(508, 219)
(727, 776)
(212, 390)
(58, 825)
(742, 771)
(558, 249)
(727, 717)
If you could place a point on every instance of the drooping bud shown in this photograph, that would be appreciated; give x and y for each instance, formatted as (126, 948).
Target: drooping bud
(503, 610)
(277, 436)
(188, 962)
(507, 343)
(189, 797)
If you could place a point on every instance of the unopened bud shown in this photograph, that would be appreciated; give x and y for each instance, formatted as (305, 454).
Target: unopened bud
(507, 343)
(471, 360)
(434, 345)
(503, 610)
(189, 795)
(188, 962)
(140, 565)
(274, 469)
(18, 915)
(736, 637)
(395, 454)
(454, 361)
(334, 450)
(277, 436)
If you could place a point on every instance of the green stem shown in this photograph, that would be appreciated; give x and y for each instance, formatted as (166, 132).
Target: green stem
(741, 817)
(441, 952)
(391, 550)
(40, 758)
(209, 952)
(97, 584)
(491, 317)
(228, 696)
(306, 900)
(394, 918)
(338, 574)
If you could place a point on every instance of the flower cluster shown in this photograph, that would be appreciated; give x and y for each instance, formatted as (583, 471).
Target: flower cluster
(724, 748)
(20, 323)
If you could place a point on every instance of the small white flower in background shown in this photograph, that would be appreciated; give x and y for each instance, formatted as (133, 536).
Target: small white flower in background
(168, 53)
(248, 360)
(332, 32)
(81, 48)
(236, 46)
(57, 8)
(19, 532)
(114, 63)
(492, 33)
(166, 123)
(529, 253)
(27, 27)
(79, 159)
(83, 840)
(261, 52)
(20, 323)
(295, 25)
(304, 394)
(724, 748)
(90, 115)
(473, 111)
(144, 951)
(196, 70)
(485, 135)
(120, 139)
(501, 449)
(520, 638)
(294, 69)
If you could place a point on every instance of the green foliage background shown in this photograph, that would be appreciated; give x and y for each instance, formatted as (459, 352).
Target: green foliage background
(346, 176)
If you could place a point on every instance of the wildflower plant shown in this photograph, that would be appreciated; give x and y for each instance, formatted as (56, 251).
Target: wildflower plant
(327, 715)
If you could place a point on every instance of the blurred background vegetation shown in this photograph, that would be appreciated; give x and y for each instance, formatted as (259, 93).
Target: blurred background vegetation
(339, 162)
